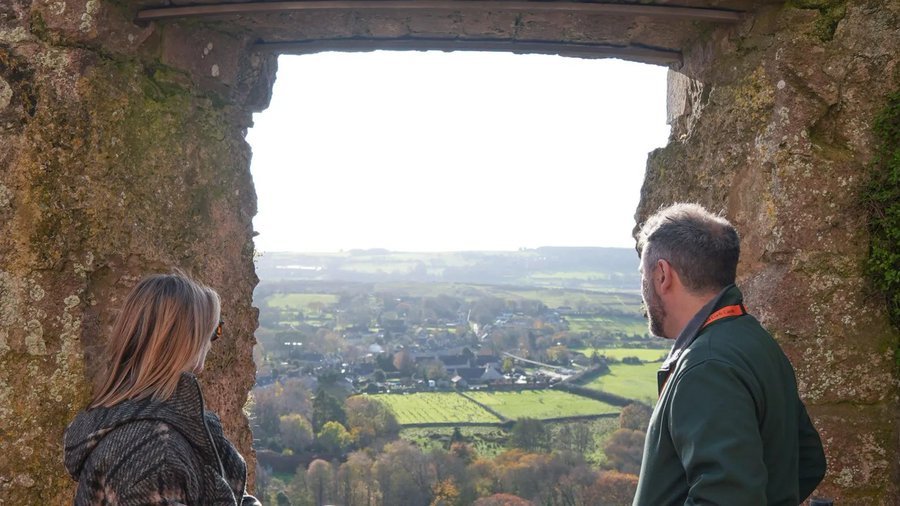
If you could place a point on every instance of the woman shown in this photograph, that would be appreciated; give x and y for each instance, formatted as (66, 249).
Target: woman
(146, 437)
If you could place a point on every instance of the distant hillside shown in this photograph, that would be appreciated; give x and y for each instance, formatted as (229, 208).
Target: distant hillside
(587, 268)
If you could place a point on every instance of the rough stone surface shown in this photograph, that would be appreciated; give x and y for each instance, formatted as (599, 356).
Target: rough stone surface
(771, 126)
(123, 154)
(116, 163)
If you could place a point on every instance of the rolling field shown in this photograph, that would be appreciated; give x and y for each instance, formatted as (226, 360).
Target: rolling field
(300, 300)
(645, 354)
(435, 407)
(541, 404)
(631, 381)
(635, 325)
(450, 407)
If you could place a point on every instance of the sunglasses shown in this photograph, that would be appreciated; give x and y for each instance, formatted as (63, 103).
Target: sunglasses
(218, 332)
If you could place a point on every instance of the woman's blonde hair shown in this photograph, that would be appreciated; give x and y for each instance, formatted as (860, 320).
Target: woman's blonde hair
(162, 330)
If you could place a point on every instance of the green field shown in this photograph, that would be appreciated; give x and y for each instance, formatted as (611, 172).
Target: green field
(438, 407)
(645, 354)
(541, 404)
(635, 325)
(487, 441)
(300, 300)
(630, 381)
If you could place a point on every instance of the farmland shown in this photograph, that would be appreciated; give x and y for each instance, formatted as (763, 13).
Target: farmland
(541, 404)
(300, 301)
(644, 354)
(628, 324)
(427, 407)
(630, 381)
(450, 407)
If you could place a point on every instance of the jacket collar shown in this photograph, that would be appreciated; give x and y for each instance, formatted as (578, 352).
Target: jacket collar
(184, 411)
(728, 296)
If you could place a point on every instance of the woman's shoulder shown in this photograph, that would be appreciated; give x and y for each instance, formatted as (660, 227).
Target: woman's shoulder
(146, 443)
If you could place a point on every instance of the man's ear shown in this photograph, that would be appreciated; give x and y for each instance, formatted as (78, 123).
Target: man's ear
(665, 276)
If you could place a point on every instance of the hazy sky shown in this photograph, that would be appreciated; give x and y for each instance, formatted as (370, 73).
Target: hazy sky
(417, 151)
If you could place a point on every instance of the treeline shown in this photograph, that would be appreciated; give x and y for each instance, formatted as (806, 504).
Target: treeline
(609, 267)
(349, 454)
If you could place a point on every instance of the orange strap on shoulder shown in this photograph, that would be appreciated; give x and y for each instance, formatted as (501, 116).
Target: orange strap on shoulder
(725, 312)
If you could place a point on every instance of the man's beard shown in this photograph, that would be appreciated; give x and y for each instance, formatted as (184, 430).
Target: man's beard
(653, 309)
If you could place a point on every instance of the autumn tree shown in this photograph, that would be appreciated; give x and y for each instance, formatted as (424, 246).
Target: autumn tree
(482, 477)
(528, 474)
(445, 493)
(369, 419)
(502, 500)
(624, 450)
(635, 416)
(404, 474)
(296, 432)
(463, 451)
(356, 483)
(320, 481)
(612, 488)
(403, 362)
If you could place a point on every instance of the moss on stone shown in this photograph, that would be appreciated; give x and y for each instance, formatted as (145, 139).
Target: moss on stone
(882, 196)
(831, 12)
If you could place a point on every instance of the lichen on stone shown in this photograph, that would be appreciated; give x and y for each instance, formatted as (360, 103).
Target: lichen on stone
(831, 12)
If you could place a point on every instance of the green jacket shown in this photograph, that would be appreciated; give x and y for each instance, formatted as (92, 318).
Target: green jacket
(729, 427)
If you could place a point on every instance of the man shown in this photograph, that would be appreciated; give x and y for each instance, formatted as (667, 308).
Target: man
(729, 427)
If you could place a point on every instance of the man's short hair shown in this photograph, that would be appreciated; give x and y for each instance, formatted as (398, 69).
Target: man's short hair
(701, 246)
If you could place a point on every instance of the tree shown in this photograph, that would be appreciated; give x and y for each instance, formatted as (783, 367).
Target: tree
(612, 488)
(334, 438)
(508, 365)
(463, 451)
(575, 437)
(296, 432)
(326, 409)
(403, 362)
(320, 481)
(502, 500)
(282, 499)
(369, 419)
(624, 450)
(404, 474)
(385, 362)
(356, 483)
(635, 416)
(445, 493)
(530, 434)
(435, 370)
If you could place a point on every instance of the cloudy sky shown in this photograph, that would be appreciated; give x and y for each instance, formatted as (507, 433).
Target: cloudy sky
(431, 151)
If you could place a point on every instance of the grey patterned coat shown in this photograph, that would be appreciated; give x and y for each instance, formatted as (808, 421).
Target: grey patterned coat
(145, 452)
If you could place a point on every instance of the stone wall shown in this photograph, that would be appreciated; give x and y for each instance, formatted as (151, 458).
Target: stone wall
(122, 153)
(772, 126)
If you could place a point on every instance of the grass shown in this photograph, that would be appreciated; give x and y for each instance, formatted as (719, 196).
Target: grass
(487, 441)
(631, 381)
(594, 324)
(491, 441)
(645, 354)
(541, 404)
(437, 407)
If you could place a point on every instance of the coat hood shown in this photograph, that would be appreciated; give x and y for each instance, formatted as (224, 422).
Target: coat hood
(184, 412)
